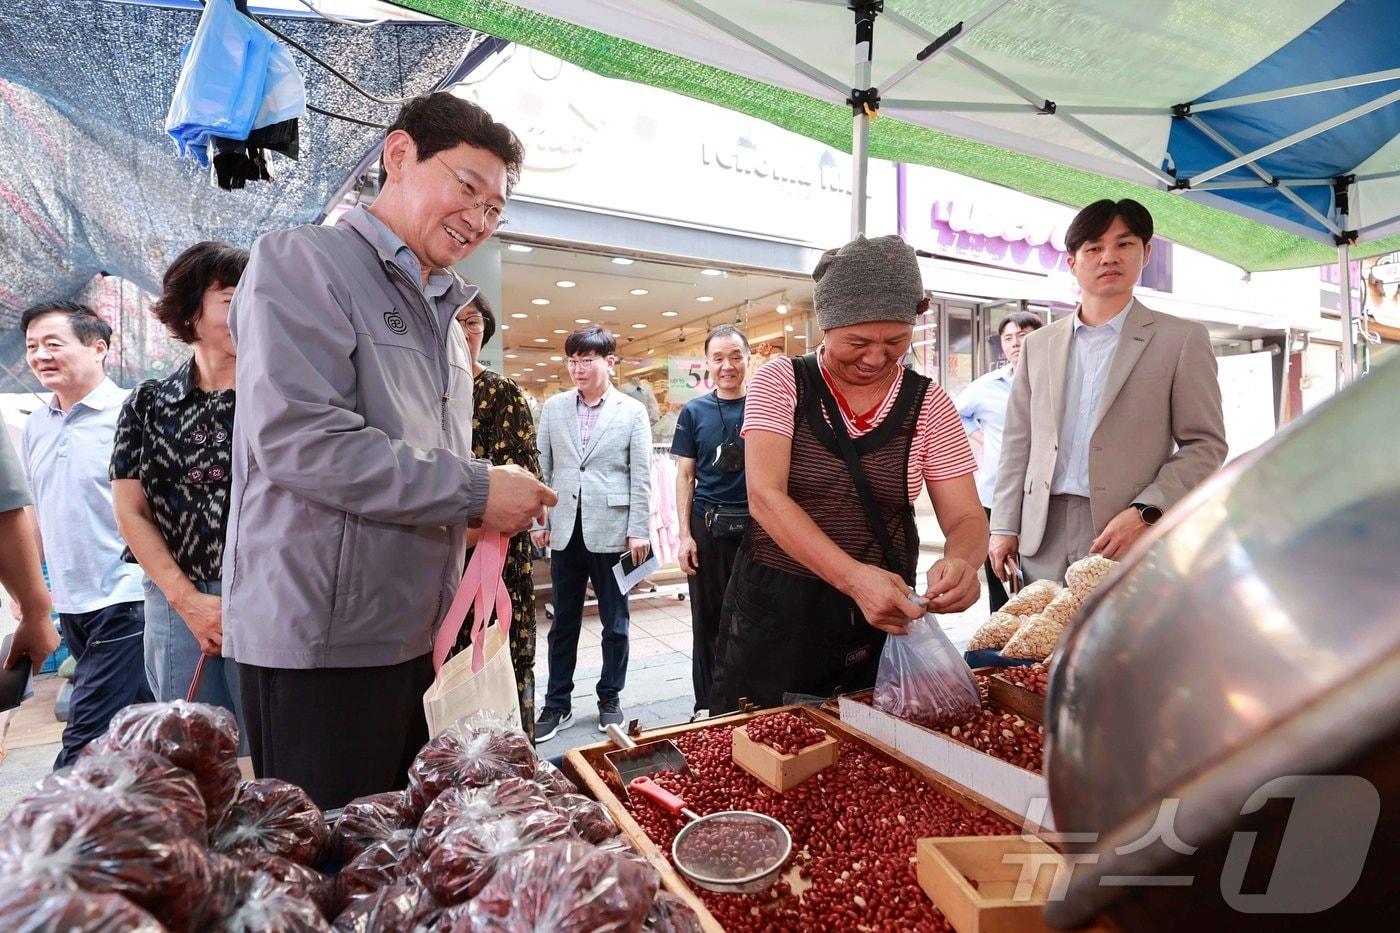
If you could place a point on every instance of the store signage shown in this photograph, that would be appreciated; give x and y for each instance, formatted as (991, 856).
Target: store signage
(687, 377)
(745, 158)
(956, 216)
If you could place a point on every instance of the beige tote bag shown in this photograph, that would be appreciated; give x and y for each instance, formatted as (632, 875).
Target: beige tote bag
(481, 680)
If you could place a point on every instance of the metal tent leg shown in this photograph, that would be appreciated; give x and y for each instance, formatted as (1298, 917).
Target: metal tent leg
(1348, 325)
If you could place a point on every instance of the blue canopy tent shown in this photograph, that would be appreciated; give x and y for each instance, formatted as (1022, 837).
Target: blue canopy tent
(1263, 132)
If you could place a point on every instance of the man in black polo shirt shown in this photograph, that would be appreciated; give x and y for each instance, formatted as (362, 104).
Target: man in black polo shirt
(711, 498)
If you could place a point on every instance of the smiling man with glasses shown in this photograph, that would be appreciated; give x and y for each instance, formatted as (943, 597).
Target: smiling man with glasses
(353, 475)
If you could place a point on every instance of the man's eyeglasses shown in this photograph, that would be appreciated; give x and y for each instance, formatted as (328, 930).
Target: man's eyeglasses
(491, 216)
(582, 362)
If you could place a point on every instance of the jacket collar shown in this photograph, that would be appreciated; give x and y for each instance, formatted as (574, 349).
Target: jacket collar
(443, 284)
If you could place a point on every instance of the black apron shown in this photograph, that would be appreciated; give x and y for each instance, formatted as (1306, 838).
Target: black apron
(785, 631)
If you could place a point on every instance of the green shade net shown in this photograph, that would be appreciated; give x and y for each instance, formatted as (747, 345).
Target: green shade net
(1246, 243)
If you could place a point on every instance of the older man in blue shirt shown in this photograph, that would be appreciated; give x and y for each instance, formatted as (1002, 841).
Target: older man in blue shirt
(66, 448)
(982, 407)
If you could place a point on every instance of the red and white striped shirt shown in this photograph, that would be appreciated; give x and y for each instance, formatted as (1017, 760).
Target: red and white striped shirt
(940, 450)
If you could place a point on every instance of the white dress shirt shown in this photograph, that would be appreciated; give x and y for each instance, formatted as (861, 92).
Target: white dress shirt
(66, 456)
(982, 407)
(1090, 355)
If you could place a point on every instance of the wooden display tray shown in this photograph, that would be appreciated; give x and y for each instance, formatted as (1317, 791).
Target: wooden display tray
(1016, 699)
(582, 764)
(971, 880)
(1023, 793)
(779, 772)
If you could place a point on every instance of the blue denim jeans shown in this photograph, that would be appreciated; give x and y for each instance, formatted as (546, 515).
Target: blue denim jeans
(172, 654)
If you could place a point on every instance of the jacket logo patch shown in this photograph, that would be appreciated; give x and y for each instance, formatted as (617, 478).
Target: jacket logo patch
(395, 322)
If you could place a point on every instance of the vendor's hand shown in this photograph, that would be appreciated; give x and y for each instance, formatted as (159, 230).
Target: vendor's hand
(639, 549)
(516, 500)
(36, 637)
(690, 556)
(883, 599)
(540, 537)
(952, 585)
(1120, 534)
(203, 615)
(999, 550)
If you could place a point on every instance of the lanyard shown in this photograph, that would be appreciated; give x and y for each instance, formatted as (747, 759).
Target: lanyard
(719, 405)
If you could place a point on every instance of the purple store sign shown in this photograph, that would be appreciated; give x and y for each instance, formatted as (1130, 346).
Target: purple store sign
(964, 218)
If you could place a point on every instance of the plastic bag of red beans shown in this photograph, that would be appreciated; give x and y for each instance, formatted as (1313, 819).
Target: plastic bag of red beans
(256, 902)
(472, 753)
(670, 914)
(924, 679)
(507, 797)
(564, 887)
(398, 908)
(588, 818)
(365, 821)
(42, 910)
(139, 777)
(469, 852)
(384, 863)
(318, 888)
(198, 737)
(273, 816)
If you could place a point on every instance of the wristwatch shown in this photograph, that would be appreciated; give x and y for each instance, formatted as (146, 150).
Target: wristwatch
(1149, 513)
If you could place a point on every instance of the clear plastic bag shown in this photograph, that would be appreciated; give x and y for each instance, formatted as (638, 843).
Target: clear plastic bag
(670, 914)
(260, 903)
(554, 781)
(469, 853)
(384, 863)
(141, 777)
(564, 887)
(507, 797)
(588, 818)
(198, 737)
(924, 679)
(473, 753)
(42, 910)
(398, 908)
(276, 817)
(308, 882)
(365, 821)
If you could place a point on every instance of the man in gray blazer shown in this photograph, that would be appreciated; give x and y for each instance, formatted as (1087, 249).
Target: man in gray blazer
(595, 451)
(1115, 412)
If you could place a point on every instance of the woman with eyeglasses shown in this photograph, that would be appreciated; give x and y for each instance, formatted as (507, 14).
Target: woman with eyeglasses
(504, 432)
(171, 477)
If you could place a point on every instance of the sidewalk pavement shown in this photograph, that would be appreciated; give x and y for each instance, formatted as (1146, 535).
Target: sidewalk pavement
(658, 693)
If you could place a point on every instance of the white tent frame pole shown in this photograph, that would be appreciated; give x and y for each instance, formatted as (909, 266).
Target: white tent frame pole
(1038, 101)
(1348, 324)
(1261, 183)
(1374, 77)
(943, 42)
(1293, 138)
(735, 31)
(1219, 139)
(1378, 176)
(860, 130)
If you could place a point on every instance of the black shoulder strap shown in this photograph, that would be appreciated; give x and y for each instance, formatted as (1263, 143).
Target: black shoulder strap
(848, 453)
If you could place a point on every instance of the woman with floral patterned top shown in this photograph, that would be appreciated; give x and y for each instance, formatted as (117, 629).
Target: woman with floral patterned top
(171, 477)
(503, 432)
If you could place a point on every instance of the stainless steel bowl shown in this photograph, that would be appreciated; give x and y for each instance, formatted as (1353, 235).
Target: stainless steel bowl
(1255, 634)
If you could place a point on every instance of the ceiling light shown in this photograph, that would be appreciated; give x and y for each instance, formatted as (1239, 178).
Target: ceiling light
(622, 261)
(651, 352)
(637, 291)
(564, 283)
(607, 307)
(782, 307)
(539, 379)
(529, 369)
(505, 327)
(801, 337)
(669, 313)
(520, 248)
(556, 359)
(512, 356)
(788, 328)
(541, 340)
(519, 315)
(705, 298)
(539, 301)
(517, 375)
(581, 320)
(712, 272)
(560, 330)
(638, 326)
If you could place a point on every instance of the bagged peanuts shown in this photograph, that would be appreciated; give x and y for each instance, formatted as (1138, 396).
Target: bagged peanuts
(1032, 598)
(995, 632)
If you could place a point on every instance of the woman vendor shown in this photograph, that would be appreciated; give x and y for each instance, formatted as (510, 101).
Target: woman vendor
(827, 569)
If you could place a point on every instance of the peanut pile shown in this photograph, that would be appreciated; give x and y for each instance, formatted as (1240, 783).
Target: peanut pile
(1033, 677)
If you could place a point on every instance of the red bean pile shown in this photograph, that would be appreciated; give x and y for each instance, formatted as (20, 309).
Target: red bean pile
(998, 733)
(785, 733)
(854, 828)
(1033, 677)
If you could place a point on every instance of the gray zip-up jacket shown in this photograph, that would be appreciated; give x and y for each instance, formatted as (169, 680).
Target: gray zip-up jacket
(353, 478)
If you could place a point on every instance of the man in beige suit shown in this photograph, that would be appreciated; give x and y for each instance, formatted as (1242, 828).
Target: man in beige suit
(1114, 415)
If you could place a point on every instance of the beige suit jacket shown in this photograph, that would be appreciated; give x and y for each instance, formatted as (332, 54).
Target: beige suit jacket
(1158, 432)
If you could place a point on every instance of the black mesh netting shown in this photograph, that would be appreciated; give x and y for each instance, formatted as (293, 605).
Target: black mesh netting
(90, 183)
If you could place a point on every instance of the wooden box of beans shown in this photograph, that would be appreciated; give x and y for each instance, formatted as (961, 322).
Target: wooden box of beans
(783, 750)
(855, 826)
(999, 753)
(1021, 690)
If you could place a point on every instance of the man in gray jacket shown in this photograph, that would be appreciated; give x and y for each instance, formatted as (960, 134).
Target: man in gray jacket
(353, 477)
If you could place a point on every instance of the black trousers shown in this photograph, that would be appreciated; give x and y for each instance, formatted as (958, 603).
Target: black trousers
(569, 573)
(715, 557)
(110, 674)
(996, 590)
(338, 732)
(785, 634)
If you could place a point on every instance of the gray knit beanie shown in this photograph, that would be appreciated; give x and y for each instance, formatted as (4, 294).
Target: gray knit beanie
(868, 280)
